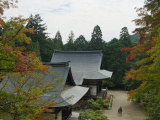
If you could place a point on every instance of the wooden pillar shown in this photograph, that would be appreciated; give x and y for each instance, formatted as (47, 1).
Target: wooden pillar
(97, 88)
(87, 83)
(100, 85)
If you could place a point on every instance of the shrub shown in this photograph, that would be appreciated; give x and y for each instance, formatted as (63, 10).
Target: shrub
(92, 115)
(98, 104)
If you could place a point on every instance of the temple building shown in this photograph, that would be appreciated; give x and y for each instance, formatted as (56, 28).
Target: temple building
(87, 70)
(65, 92)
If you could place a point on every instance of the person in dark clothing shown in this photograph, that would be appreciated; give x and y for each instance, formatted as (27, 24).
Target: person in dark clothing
(120, 110)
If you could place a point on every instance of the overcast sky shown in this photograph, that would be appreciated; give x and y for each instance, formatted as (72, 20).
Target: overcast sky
(81, 16)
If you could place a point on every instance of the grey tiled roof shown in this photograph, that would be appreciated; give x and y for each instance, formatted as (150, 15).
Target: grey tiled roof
(84, 64)
(58, 75)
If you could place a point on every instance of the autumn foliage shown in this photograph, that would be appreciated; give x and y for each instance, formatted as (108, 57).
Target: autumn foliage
(22, 66)
(148, 45)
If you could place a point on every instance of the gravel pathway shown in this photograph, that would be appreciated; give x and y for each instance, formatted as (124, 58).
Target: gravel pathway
(131, 111)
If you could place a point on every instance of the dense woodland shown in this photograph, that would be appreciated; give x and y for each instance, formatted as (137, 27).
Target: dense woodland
(134, 59)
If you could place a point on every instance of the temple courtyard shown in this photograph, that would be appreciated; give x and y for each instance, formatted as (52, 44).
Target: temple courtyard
(131, 110)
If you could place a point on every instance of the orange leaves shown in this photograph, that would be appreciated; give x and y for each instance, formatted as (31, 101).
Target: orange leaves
(46, 107)
(6, 4)
(126, 49)
(17, 33)
(1, 23)
(28, 62)
(157, 14)
(131, 56)
(128, 76)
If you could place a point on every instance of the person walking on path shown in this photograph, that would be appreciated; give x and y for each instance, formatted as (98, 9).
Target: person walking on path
(120, 110)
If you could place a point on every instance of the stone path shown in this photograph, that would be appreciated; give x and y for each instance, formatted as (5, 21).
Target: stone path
(131, 111)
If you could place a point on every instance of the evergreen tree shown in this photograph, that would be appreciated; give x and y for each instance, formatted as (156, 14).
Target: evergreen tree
(70, 44)
(80, 43)
(115, 60)
(58, 44)
(46, 46)
(39, 34)
(96, 40)
(125, 37)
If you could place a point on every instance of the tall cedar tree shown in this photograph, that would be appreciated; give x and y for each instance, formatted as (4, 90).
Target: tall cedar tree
(70, 43)
(125, 37)
(46, 48)
(58, 44)
(96, 40)
(80, 43)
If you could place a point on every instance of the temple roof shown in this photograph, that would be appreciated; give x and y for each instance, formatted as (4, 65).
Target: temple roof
(61, 92)
(84, 64)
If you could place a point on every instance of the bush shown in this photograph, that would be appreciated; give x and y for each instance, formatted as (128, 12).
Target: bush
(98, 104)
(108, 84)
(92, 115)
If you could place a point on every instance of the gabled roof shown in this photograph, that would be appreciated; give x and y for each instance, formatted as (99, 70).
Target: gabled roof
(60, 92)
(84, 64)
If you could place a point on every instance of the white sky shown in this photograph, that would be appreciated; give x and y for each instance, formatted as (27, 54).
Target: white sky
(81, 16)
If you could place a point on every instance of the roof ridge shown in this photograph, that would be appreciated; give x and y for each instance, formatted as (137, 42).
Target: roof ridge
(77, 51)
(57, 63)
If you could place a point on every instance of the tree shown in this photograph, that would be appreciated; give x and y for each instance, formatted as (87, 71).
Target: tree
(37, 50)
(5, 4)
(58, 44)
(96, 40)
(70, 43)
(19, 64)
(38, 28)
(125, 37)
(24, 93)
(148, 71)
(119, 66)
(46, 46)
(80, 43)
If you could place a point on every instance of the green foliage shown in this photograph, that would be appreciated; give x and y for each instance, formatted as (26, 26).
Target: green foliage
(10, 99)
(134, 37)
(148, 67)
(22, 99)
(39, 37)
(58, 44)
(96, 40)
(125, 37)
(80, 43)
(109, 84)
(98, 104)
(151, 105)
(92, 115)
(70, 43)
(37, 50)
(115, 61)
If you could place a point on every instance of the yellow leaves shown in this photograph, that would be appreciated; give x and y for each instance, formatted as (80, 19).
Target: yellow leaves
(149, 70)
(143, 61)
(14, 30)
